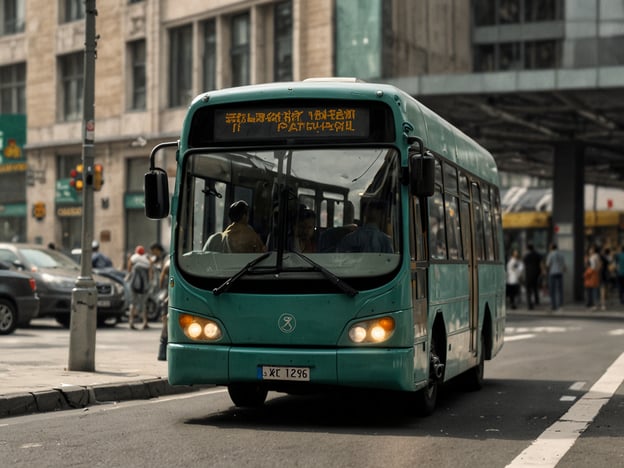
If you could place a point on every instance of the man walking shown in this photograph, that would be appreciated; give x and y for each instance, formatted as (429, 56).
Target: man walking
(555, 264)
(532, 273)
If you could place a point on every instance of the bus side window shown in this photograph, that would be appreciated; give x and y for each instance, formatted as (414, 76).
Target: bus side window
(478, 218)
(451, 209)
(437, 231)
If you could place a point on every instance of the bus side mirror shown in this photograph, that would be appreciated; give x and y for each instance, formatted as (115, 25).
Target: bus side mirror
(156, 194)
(422, 172)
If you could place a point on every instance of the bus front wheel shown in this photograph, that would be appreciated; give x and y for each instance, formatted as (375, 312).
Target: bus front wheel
(474, 378)
(426, 399)
(250, 395)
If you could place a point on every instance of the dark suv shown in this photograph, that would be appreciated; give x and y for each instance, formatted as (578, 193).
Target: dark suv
(18, 299)
(56, 274)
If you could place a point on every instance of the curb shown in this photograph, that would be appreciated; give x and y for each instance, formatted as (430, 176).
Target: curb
(76, 396)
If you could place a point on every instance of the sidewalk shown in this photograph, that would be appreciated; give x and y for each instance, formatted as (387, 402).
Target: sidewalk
(34, 376)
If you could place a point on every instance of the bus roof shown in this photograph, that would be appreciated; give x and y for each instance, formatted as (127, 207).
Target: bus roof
(439, 135)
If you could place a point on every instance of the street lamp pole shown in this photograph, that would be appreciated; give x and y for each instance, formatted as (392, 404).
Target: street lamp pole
(84, 295)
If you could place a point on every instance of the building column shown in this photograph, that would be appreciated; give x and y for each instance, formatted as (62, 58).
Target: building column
(568, 214)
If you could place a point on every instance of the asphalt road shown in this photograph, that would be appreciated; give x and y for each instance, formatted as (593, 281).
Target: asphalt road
(553, 397)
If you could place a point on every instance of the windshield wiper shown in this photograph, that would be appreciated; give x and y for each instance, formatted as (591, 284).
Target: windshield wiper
(328, 274)
(225, 286)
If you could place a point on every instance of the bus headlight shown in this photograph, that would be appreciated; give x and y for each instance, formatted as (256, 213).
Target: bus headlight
(372, 331)
(198, 328)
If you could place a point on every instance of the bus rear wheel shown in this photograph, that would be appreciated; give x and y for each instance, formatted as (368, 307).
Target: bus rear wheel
(247, 395)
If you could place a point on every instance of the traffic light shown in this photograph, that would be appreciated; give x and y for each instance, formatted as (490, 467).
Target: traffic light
(98, 177)
(76, 180)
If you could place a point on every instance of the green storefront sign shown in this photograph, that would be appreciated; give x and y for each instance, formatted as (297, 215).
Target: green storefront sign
(134, 201)
(12, 139)
(65, 194)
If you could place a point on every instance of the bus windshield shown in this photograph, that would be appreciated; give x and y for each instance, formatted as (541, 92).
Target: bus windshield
(309, 209)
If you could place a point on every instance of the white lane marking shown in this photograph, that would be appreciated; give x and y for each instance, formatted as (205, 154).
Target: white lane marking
(567, 398)
(617, 332)
(577, 386)
(540, 329)
(519, 337)
(555, 441)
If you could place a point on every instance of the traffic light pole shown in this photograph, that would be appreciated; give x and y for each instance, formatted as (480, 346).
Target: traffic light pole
(84, 295)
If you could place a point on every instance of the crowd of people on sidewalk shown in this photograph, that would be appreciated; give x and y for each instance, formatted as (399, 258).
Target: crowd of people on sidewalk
(542, 276)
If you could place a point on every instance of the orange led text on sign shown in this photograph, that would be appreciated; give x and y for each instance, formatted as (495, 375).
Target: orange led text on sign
(296, 121)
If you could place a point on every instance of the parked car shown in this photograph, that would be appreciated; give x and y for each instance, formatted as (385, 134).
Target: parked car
(19, 302)
(55, 274)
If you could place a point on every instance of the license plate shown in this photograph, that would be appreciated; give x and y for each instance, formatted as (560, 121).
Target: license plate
(104, 303)
(293, 374)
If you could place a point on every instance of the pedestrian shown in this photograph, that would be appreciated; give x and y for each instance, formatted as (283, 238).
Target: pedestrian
(532, 273)
(139, 277)
(619, 269)
(98, 259)
(556, 267)
(515, 269)
(606, 263)
(164, 333)
(159, 255)
(591, 277)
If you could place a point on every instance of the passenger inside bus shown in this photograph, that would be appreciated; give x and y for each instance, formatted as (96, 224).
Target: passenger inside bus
(369, 237)
(239, 236)
(303, 238)
(330, 238)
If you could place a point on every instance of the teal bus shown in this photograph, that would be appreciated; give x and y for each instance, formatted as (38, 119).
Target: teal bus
(396, 284)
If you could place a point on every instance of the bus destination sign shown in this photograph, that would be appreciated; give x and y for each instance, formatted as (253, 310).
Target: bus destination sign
(291, 122)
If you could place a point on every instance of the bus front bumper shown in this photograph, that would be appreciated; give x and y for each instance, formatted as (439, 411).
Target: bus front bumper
(381, 368)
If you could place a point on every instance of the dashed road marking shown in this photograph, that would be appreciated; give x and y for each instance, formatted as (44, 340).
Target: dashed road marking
(555, 441)
(526, 336)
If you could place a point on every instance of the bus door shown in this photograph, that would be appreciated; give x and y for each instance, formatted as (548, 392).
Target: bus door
(473, 244)
(418, 268)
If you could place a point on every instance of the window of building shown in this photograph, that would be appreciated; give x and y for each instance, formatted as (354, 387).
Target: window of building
(11, 17)
(510, 56)
(71, 68)
(13, 89)
(72, 10)
(180, 65)
(542, 10)
(541, 54)
(359, 38)
(140, 230)
(484, 12)
(508, 11)
(210, 56)
(134, 1)
(239, 53)
(282, 66)
(611, 51)
(138, 79)
(484, 57)
(495, 12)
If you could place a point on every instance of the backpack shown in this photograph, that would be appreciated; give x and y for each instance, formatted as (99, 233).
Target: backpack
(139, 282)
